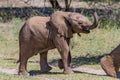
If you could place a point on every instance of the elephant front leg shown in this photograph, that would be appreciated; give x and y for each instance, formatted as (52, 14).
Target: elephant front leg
(63, 48)
(66, 63)
(43, 62)
(60, 62)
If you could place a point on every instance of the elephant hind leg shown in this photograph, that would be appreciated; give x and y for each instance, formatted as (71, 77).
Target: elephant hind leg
(108, 66)
(22, 67)
(25, 53)
(43, 62)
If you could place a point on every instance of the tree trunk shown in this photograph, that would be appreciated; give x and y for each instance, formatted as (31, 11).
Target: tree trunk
(67, 5)
(55, 4)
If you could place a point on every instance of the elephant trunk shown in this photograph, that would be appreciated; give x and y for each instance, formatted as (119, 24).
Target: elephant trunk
(95, 23)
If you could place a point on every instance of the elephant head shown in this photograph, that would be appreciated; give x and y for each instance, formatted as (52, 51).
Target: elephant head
(67, 23)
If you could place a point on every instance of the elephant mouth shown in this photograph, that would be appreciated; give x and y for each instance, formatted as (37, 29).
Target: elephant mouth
(86, 31)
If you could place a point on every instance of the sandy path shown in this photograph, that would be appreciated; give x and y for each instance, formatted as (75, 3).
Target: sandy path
(90, 71)
(79, 69)
(8, 71)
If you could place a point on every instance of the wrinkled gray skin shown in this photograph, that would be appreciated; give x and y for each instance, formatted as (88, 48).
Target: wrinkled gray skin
(40, 34)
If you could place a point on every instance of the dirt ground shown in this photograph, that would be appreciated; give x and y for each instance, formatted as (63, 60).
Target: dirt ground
(78, 69)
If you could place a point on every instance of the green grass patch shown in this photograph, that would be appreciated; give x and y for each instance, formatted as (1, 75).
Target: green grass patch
(16, 77)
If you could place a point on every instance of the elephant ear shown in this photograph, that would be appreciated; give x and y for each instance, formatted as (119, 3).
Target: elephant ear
(60, 24)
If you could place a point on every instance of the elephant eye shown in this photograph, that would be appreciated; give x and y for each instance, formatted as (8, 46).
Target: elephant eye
(79, 23)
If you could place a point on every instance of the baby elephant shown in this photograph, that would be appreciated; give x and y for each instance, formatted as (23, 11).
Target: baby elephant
(111, 62)
(40, 34)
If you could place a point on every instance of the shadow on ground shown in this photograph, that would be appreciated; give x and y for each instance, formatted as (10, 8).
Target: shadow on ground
(78, 61)
(90, 60)
(38, 72)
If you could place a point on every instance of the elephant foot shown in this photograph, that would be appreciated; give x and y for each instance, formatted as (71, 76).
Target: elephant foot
(60, 64)
(46, 69)
(24, 73)
(68, 71)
